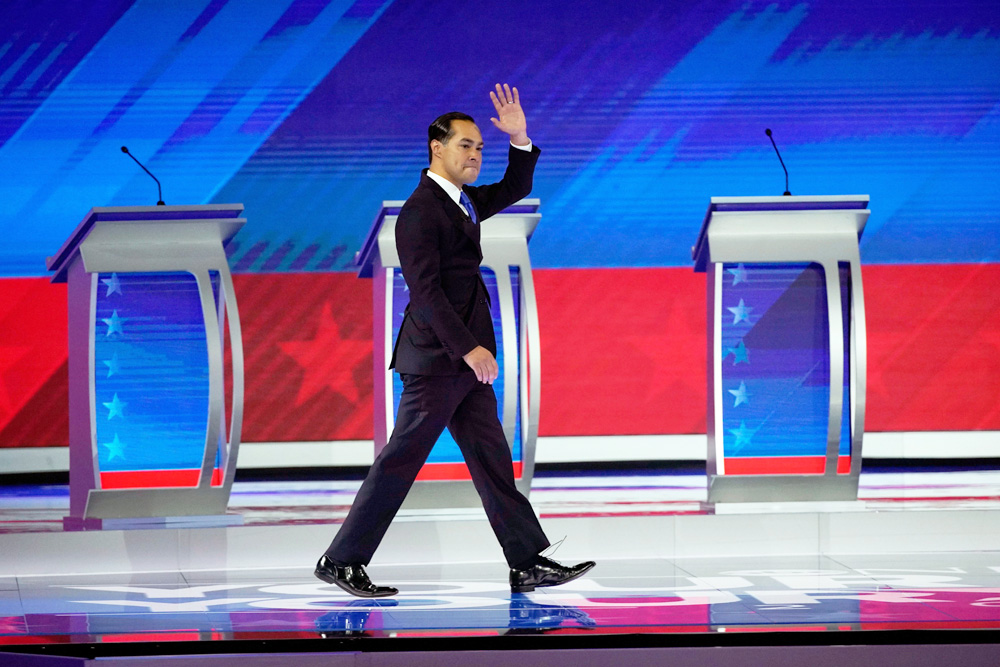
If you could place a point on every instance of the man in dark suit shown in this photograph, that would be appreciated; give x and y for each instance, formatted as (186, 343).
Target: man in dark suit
(446, 357)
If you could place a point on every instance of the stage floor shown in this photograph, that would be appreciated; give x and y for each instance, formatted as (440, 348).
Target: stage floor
(946, 589)
(29, 509)
(711, 595)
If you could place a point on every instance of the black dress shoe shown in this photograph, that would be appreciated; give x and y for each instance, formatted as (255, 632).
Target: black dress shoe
(545, 572)
(351, 578)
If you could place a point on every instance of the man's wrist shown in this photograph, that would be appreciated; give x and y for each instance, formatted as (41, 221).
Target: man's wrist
(523, 144)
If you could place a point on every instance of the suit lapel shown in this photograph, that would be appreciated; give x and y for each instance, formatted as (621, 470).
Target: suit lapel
(455, 213)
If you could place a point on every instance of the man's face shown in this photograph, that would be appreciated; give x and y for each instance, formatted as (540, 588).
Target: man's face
(461, 158)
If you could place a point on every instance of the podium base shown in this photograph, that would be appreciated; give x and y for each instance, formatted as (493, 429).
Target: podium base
(76, 523)
(781, 488)
(437, 494)
(796, 507)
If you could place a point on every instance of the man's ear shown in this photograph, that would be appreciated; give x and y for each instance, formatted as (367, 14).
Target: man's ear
(436, 148)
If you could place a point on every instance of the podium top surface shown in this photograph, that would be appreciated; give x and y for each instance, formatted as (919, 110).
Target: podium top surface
(790, 202)
(776, 203)
(60, 261)
(365, 257)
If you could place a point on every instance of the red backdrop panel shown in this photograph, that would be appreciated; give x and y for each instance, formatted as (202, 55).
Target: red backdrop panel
(934, 347)
(623, 352)
(34, 410)
(307, 342)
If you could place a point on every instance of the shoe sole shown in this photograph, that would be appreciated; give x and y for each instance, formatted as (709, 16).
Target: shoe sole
(528, 589)
(347, 589)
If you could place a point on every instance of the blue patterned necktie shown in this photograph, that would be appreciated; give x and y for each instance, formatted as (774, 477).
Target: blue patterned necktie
(467, 203)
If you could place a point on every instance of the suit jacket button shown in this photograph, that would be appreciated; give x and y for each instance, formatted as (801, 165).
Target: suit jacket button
(482, 301)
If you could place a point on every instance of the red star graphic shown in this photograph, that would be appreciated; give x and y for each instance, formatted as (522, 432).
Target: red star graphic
(328, 360)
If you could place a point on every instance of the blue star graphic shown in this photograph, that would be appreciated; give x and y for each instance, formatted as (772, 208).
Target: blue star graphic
(740, 313)
(743, 435)
(740, 353)
(114, 323)
(115, 449)
(739, 274)
(113, 284)
(112, 364)
(116, 407)
(741, 394)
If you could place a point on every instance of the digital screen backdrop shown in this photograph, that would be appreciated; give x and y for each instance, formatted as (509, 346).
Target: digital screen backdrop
(311, 112)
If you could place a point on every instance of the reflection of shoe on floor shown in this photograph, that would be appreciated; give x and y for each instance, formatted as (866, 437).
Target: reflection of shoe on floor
(527, 616)
(351, 578)
(545, 572)
(347, 622)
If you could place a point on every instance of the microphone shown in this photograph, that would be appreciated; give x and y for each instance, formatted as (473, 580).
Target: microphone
(767, 132)
(158, 188)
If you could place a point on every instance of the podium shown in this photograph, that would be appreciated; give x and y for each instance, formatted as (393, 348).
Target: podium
(150, 298)
(786, 347)
(444, 481)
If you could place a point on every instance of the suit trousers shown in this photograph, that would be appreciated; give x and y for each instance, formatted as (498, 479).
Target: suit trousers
(429, 404)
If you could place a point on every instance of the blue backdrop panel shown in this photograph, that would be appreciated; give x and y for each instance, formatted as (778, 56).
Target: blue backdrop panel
(312, 111)
(151, 372)
(776, 361)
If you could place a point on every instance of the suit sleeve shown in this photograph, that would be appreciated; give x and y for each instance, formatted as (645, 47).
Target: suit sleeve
(515, 185)
(418, 243)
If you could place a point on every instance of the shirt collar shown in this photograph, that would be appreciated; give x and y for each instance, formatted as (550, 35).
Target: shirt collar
(450, 188)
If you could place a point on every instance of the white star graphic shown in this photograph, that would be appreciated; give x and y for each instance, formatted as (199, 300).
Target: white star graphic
(740, 312)
(743, 435)
(113, 284)
(739, 274)
(741, 394)
(115, 448)
(116, 407)
(113, 365)
(114, 323)
(740, 353)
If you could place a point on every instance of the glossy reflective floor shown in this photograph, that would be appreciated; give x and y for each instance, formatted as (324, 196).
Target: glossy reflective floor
(737, 594)
(841, 593)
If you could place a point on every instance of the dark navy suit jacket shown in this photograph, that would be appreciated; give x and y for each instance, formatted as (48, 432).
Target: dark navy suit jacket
(439, 253)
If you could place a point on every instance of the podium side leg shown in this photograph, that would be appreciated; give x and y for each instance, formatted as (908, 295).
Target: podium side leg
(83, 470)
(835, 319)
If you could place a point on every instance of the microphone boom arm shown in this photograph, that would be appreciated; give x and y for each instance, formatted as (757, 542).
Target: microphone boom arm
(159, 189)
(768, 132)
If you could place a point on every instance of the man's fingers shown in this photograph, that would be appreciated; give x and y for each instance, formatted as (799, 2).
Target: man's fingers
(486, 372)
(483, 364)
(504, 95)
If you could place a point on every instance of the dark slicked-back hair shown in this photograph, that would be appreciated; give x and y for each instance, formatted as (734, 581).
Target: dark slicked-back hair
(440, 130)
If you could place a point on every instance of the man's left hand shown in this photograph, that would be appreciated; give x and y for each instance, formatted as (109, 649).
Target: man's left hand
(510, 117)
